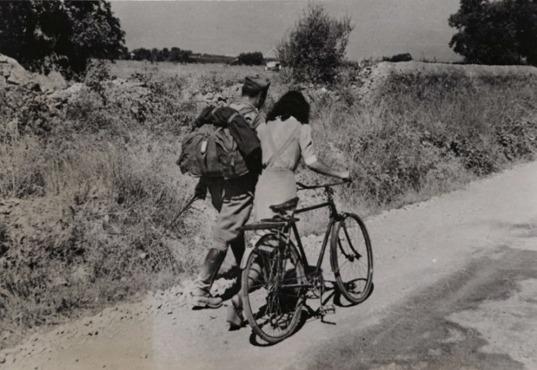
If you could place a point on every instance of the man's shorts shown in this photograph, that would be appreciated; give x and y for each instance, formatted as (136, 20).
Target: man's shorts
(233, 199)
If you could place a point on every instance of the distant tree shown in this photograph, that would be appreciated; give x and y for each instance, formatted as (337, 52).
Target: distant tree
(251, 59)
(404, 57)
(316, 46)
(55, 34)
(141, 54)
(164, 55)
(181, 56)
(496, 32)
(175, 54)
(125, 54)
(154, 55)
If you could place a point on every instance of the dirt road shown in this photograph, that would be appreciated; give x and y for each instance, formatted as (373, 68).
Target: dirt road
(455, 287)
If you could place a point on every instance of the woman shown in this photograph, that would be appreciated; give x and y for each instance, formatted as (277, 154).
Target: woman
(285, 138)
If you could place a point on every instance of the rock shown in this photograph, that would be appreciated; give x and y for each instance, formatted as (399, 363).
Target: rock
(59, 281)
(13, 72)
(19, 77)
(52, 82)
(68, 94)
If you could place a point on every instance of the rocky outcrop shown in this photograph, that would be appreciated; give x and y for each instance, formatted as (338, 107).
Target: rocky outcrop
(12, 73)
(223, 95)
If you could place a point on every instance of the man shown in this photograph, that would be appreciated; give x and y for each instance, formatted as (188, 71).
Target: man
(254, 94)
(233, 199)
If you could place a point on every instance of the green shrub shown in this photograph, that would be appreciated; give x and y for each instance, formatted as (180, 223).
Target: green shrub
(315, 48)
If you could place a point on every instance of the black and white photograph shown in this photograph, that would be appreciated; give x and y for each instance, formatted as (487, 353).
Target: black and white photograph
(268, 184)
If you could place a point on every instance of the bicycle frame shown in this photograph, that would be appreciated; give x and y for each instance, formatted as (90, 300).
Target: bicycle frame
(333, 218)
(290, 225)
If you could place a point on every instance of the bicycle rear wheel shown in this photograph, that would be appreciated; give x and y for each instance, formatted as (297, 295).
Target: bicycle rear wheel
(273, 288)
(351, 258)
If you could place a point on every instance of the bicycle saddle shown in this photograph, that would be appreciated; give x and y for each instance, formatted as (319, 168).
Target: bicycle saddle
(285, 206)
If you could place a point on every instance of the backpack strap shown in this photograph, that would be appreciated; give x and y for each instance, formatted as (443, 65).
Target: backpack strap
(230, 119)
(276, 152)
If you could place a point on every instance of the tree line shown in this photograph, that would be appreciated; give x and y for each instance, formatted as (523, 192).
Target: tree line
(65, 35)
(178, 55)
(174, 54)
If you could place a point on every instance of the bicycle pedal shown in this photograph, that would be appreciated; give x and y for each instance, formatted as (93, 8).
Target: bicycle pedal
(327, 309)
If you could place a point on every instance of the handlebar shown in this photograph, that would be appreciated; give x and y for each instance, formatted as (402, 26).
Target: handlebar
(302, 186)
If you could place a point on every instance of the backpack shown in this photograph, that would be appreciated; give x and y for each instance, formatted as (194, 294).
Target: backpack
(210, 150)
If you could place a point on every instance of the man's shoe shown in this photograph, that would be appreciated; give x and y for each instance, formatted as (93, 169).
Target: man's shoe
(205, 300)
(209, 269)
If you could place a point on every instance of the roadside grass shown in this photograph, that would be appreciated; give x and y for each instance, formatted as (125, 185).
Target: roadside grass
(420, 135)
(90, 190)
(90, 206)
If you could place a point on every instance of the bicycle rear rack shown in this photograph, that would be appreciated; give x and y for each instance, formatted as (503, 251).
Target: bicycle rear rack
(276, 223)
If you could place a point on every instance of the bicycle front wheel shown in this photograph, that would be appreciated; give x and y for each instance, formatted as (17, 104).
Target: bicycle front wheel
(273, 288)
(351, 258)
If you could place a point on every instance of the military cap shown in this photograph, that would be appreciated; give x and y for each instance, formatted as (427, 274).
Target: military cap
(255, 84)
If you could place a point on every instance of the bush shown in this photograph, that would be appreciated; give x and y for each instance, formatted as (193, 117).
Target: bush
(96, 195)
(420, 134)
(315, 49)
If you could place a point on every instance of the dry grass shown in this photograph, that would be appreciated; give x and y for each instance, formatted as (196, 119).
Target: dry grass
(90, 205)
(417, 135)
(89, 186)
(421, 135)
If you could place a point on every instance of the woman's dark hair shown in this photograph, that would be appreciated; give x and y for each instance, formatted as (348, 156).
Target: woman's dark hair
(290, 104)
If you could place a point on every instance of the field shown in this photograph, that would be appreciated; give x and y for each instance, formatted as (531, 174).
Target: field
(89, 189)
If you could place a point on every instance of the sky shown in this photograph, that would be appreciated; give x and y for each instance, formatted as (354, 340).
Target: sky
(382, 27)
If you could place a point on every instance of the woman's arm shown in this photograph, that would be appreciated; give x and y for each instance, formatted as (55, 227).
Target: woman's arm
(312, 161)
(322, 168)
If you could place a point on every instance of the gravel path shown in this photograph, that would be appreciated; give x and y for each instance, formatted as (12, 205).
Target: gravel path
(455, 286)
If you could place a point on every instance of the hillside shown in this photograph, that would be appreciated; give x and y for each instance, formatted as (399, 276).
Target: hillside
(89, 189)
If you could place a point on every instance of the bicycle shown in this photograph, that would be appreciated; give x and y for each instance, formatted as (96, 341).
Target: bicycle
(277, 279)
